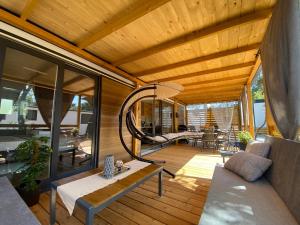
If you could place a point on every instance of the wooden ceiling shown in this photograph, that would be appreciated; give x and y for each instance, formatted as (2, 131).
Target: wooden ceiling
(208, 46)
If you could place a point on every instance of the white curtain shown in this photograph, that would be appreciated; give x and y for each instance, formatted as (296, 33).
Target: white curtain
(223, 117)
(280, 53)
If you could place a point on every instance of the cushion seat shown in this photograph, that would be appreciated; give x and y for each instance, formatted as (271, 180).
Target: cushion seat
(232, 200)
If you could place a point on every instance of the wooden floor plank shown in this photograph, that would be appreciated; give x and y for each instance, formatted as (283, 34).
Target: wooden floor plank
(132, 214)
(182, 201)
(170, 201)
(152, 212)
(171, 210)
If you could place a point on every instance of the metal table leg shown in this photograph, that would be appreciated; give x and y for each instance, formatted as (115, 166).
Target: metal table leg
(89, 216)
(160, 183)
(53, 205)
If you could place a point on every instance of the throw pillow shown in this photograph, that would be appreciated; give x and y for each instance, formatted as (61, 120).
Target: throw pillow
(247, 165)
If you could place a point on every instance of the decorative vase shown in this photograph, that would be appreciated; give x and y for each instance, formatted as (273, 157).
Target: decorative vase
(109, 167)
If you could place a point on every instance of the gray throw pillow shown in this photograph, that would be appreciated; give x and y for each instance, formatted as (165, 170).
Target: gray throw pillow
(258, 148)
(247, 165)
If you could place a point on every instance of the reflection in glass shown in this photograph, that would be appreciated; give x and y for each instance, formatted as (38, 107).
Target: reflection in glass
(77, 127)
(167, 121)
(27, 88)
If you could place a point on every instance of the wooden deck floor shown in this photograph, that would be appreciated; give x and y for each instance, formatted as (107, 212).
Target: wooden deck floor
(182, 201)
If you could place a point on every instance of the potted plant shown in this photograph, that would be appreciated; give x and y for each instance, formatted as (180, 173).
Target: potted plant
(34, 154)
(244, 138)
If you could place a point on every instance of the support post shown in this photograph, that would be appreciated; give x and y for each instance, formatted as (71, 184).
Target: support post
(250, 110)
(136, 144)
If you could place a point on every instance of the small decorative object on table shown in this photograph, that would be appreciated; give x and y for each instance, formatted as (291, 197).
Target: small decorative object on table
(119, 165)
(109, 167)
(118, 169)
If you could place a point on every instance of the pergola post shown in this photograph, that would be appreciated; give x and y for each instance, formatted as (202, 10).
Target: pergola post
(250, 109)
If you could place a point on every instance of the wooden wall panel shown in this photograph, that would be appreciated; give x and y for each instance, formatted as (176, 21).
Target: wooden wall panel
(113, 95)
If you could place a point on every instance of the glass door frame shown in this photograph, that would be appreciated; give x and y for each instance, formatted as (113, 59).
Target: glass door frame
(57, 99)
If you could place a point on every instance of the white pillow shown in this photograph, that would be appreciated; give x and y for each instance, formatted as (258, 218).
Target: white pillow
(258, 148)
(247, 165)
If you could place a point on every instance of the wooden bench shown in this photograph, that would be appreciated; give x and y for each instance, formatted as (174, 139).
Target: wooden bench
(96, 201)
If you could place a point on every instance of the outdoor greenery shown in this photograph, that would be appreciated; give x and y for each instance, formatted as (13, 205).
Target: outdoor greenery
(258, 86)
(34, 153)
(244, 137)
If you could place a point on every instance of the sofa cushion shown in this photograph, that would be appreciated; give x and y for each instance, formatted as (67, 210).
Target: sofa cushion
(247, 165)
(258, 148)
(232, 200)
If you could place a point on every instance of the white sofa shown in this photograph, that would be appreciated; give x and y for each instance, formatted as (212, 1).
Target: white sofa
(272, 200)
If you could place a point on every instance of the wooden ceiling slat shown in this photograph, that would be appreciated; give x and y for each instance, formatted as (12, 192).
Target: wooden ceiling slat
(216, 85)
(217, 80)
(198, 59)
(210, 97)
(29, 6)
(212, 94)
(213, 89)
(41, 33)
(201, 101)
(196, 35)
(130, 14)
(210, 71)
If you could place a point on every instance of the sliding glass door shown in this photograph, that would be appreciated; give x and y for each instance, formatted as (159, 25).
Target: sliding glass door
(167, 117)
(77, 123)
(43, 96)
(26, 94)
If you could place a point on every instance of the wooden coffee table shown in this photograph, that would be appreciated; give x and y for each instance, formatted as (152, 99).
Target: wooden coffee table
(96, 201)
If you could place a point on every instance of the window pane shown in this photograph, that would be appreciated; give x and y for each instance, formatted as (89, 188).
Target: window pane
(77, 128)
(167, 117)
(259, 108)
(27, 88)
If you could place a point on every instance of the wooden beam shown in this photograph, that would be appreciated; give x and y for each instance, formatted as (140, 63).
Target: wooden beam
(211, 94)
(29, 6)
(211, 101)
(217, 80)
(211, 90)
(205, 72)
(43, 34)
(212, 87)
(254, 70)
(127, 16)
(198, 60)
(196, 35)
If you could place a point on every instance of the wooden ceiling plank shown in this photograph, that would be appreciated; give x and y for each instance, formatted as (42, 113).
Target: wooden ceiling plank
(130, 14)
(210, 101)
(217, 80)
(29, 6)
(43, 34)
(216, 85)
(216, 98)
(205, 72)
(198, 59)
(196, 35)
(211, 94)
(216, 88)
